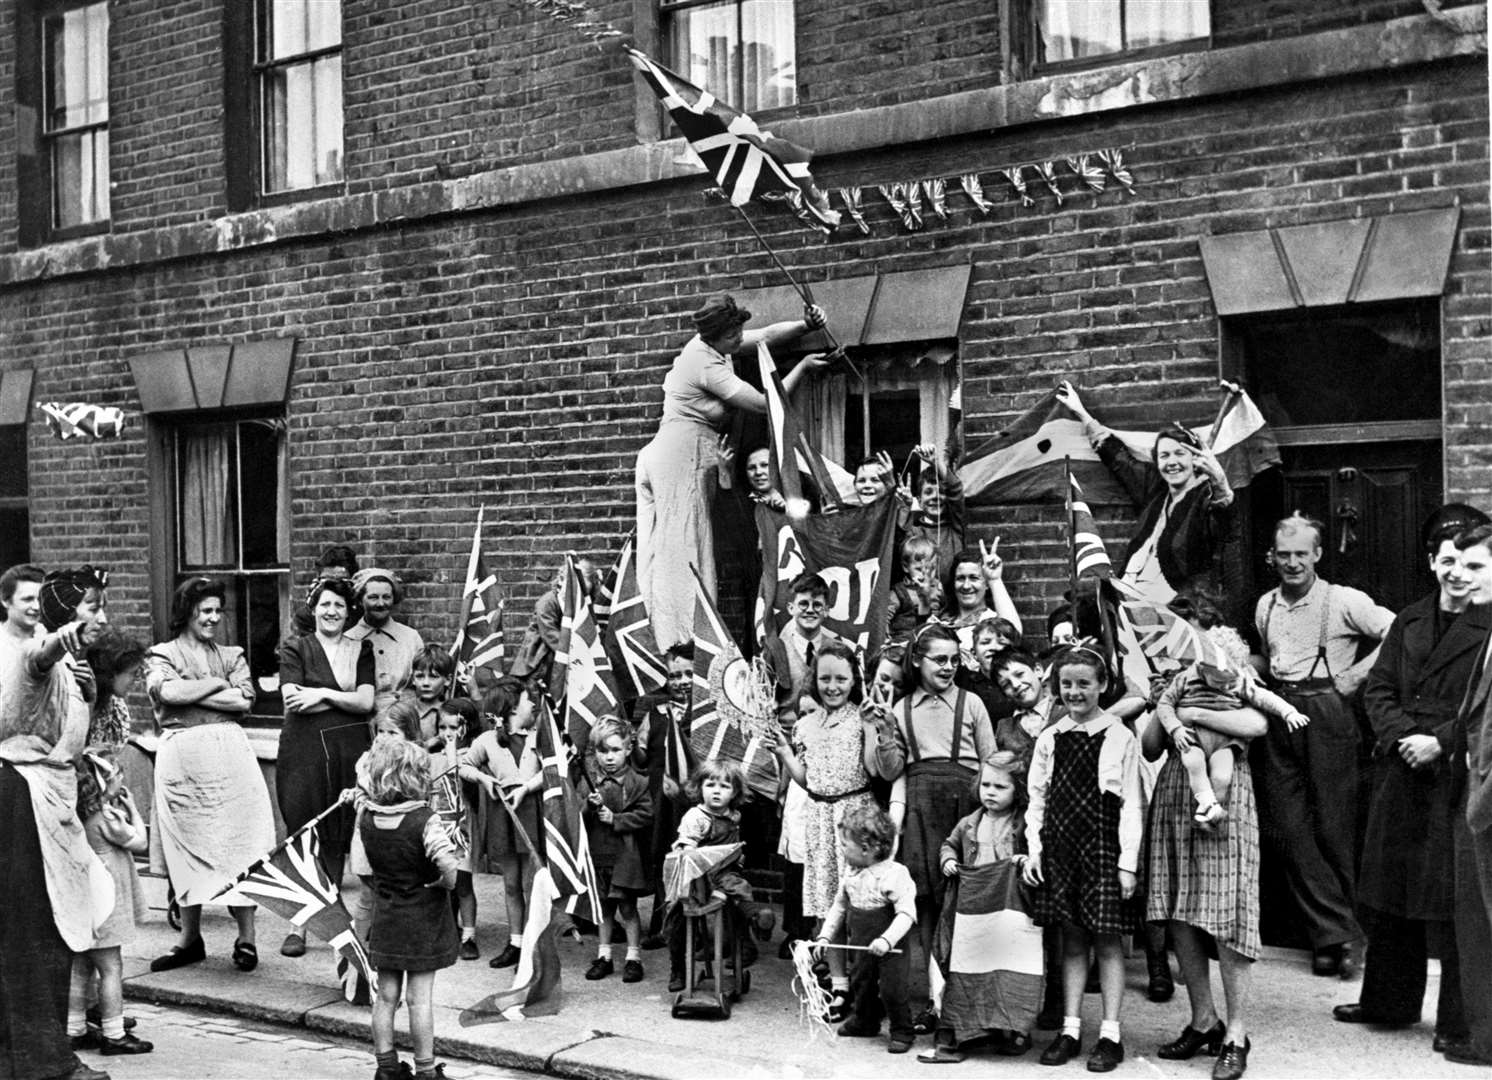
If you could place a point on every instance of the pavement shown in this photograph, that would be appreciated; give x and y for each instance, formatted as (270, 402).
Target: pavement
(612, 1030)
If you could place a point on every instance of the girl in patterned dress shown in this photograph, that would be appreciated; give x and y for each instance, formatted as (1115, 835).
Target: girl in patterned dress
(1084, 825)
(831, 758)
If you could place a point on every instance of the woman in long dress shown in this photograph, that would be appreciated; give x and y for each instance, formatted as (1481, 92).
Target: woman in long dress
(675, 471)
(212, 817)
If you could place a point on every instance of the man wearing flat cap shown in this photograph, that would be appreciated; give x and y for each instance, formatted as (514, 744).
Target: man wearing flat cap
(675, 472)
(378, 593)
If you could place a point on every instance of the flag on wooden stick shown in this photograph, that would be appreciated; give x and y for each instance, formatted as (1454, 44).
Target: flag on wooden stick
(566, 850)
(627, 624)
(479, 639)
(590, 686)
(791, 454)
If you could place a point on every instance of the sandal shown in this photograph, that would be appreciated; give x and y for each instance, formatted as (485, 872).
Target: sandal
(245, 956)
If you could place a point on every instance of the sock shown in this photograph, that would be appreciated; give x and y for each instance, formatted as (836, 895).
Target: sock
(77, 1004)
(1109, 1029)
(840, 984)
(634, 952)
(424, 1065)
(387, 1059)
(515, 940)
(603, 952)
(1072, 1025)
(468, 933)
(113, 1027)
(76, 1024)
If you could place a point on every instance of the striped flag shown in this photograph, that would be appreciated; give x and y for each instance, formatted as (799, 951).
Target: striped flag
(729, 700)
(745, 161)
(627, 625)
(1164, 635)
(290, 882)
(1089, 557)
(590, 685)
(566, 850)
(989, 952)
(792, 454)
(536, 982)
(1025, 462)
(479, 640)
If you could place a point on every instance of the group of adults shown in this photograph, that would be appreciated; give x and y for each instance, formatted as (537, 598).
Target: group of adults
(1423, 679)
(211, 816)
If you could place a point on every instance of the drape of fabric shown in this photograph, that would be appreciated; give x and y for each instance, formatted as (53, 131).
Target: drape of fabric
(824, 420)
(212, 816)
(1156, 22)
(209, 527)
(35, 962)
(1073, 29)
(675, 482)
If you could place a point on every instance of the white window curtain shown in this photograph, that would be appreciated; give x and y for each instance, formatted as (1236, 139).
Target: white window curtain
(823, 411)
(769, 77)
(824, 417)
(1075, 29)
(1158, 22)
(208, 501)
(742, 51)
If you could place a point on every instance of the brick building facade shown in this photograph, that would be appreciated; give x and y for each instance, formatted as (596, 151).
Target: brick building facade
(481, 308)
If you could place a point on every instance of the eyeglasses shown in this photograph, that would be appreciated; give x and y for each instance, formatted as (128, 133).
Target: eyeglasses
(811, 605)
(941, 661)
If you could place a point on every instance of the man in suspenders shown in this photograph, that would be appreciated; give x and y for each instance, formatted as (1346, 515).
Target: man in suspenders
(1312, 633)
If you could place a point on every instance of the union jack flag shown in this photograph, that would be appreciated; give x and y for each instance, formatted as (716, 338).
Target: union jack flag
(479, 641)
(1164, 635)
(590, 686)
(746, 162)
(290, 882)
(791, 452)
(627, 624)
(1089, 557)
(72, 419)
(727, 692)
(566, 850)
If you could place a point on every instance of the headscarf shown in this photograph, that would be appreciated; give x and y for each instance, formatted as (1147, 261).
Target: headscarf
(63, 591)
(361, 579)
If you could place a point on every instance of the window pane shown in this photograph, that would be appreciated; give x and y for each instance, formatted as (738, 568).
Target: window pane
(706, 47)
(77, 52)
(13, 481)
(259, 458)
(207, 498)
(261, 597)
(80, 178)
(302, 26)
(15, 536)
(1148, 23)
(304, 125)
(1075, 29)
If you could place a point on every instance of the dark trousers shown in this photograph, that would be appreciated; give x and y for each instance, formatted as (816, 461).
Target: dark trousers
(1474, 928)
(879, 985)
(794, 923)
(1307, 787)
(1393, 982)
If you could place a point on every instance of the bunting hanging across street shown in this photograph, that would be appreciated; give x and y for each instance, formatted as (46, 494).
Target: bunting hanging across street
(851, 550)
(1025, 462)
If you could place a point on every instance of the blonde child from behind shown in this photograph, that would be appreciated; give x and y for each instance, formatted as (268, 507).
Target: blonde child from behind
(115, 829)
(413, 933)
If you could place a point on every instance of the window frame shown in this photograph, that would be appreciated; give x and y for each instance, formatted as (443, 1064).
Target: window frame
(246, 103)
(1028, 31)
(165, 433)
(665, 10)
(36, 172)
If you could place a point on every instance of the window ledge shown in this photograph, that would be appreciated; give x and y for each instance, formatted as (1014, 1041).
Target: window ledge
(1396, 43)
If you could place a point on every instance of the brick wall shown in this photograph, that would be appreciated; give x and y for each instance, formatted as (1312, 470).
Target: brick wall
(514, 358)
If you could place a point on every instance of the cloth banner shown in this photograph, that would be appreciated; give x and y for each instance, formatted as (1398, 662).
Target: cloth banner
(851, 550)
(989, 952)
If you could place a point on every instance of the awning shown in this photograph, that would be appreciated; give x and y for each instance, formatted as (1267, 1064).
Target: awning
(1353, 261)
(15, 395)
(873, 309)
(215, 377)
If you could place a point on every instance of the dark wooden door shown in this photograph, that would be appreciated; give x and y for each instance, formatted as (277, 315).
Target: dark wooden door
(1373, 498)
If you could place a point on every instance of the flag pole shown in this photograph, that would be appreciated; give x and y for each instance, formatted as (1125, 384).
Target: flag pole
(1072, 546)
(803, 290)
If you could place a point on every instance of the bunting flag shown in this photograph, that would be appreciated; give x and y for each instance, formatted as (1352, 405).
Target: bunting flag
(1025, 462)
(733, 702)
(989, 952)
(290, 882)
(479, 638)
(78, 419)
(851, 550)
(1164, 635)
(744, 160)
(536, 982)
(787, 443)
(628, 629)
(566, 850)
(1089, 557)
(590, 686)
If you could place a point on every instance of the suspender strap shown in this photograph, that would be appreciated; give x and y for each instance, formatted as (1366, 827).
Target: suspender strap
(913, 752)
(958, 727)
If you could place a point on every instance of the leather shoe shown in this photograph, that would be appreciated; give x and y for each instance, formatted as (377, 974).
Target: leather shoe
(86, 1072)
(180, 956)
(1106, 1056)
(1462, 1052)
(599, 969)
(1013, 1044)
(632, 971)
(1191, 1041)
(1162, 987)
(1327, 961)
(675, 981)
(1233, 1062)
(125, 1044)
(507, 958)
(1356, 1014)
(1062, 1050)
(293, 946)
(469, 949)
